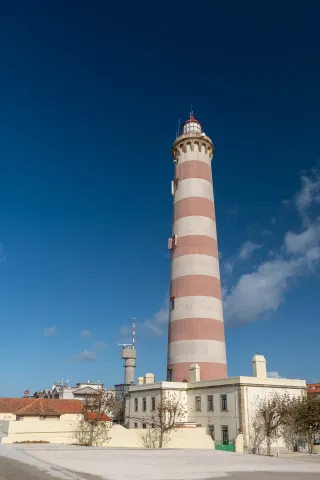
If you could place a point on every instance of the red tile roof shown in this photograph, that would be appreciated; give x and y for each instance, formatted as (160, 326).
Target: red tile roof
(313, 388)
(93, 416)
(39, 406)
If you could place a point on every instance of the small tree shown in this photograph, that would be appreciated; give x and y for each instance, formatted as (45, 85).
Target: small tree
(168, 413)
(93, 428)
(305, 418)
(271, 414)
(150, 437)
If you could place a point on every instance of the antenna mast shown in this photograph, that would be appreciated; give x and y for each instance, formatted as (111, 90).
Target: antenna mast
(133, 331)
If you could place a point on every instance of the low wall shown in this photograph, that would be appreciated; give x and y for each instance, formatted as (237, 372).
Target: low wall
(180, 438)
(35, 430)
(63, 431)
(4, 426)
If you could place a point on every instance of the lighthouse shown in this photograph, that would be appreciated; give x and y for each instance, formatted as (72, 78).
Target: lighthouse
(196, 328)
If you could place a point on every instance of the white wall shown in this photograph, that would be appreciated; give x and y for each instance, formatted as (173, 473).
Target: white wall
(252, 395)
(217, 418)
(63, 431)
(180, 438)
(49, 430)
(148, 392)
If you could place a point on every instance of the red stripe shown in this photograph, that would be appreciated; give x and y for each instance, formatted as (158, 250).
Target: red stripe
(198, 206)
(196, 329)
(195, 285)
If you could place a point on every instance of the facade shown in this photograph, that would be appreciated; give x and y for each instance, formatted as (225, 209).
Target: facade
(224, 407)
(196, 328)
(38, 419)
(66, 392)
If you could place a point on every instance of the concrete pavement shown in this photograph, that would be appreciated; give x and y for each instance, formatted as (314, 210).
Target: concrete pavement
(14, 470)
(78, 463)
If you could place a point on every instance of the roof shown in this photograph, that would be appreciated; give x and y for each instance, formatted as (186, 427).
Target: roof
(86, 391)
(39, 406)
(313, 388)
(93, 416)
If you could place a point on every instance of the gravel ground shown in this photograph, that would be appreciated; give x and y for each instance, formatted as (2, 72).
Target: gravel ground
(62, 461)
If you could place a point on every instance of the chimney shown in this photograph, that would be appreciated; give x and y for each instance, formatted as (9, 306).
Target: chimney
(149, 378)
(140, 380)
(194, 373)
(259, 366)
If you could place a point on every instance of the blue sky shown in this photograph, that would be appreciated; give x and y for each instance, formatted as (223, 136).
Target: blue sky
(90, 97)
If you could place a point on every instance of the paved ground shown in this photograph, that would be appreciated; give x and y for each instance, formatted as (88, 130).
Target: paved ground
(48, 462)
(13, 470)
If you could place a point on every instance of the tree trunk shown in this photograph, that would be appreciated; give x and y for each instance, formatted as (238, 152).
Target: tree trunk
(268, 445)
(91, 434)
(310, 442)
(161, 439)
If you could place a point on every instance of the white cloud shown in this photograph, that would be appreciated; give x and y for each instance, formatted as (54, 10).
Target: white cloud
(86, 356)
(100, 345)
(247, 249)
(309, 193)
(157, 324)
(228, 266)
(85, 333)
(262, 291)
(47, 332)
(297, 243)
(258, 292)
(273, 375)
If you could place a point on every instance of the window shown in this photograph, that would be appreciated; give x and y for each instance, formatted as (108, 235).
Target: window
(135, 425)
(135, 404)
(224, 403)
(170, 375)
(153, 404)
(144, 404)
(211, 431)
(198, 404)
(18, 418)
(172, 303)
(210, 403)
(225, 434)
(144, 426)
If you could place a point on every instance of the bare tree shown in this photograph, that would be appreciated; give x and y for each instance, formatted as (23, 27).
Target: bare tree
(98, 408)
(150, 438)
(271, 414)
(305, 418)
(168, 414)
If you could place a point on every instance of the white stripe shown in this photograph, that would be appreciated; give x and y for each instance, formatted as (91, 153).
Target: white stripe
(195, 264)
(196, 307)
(191, 351)
(193, 187)
(195, 225)
(189, 156)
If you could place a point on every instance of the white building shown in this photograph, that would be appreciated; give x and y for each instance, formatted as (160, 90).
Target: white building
(79, 392)
(225, 407)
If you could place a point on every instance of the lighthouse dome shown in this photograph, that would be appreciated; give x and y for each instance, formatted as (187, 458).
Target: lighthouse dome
(191, 126)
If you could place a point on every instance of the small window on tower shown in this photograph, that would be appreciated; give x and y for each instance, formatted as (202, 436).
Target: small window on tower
(170, 375)
(171, 303)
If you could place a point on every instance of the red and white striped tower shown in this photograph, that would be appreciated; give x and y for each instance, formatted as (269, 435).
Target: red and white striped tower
(196, 329)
